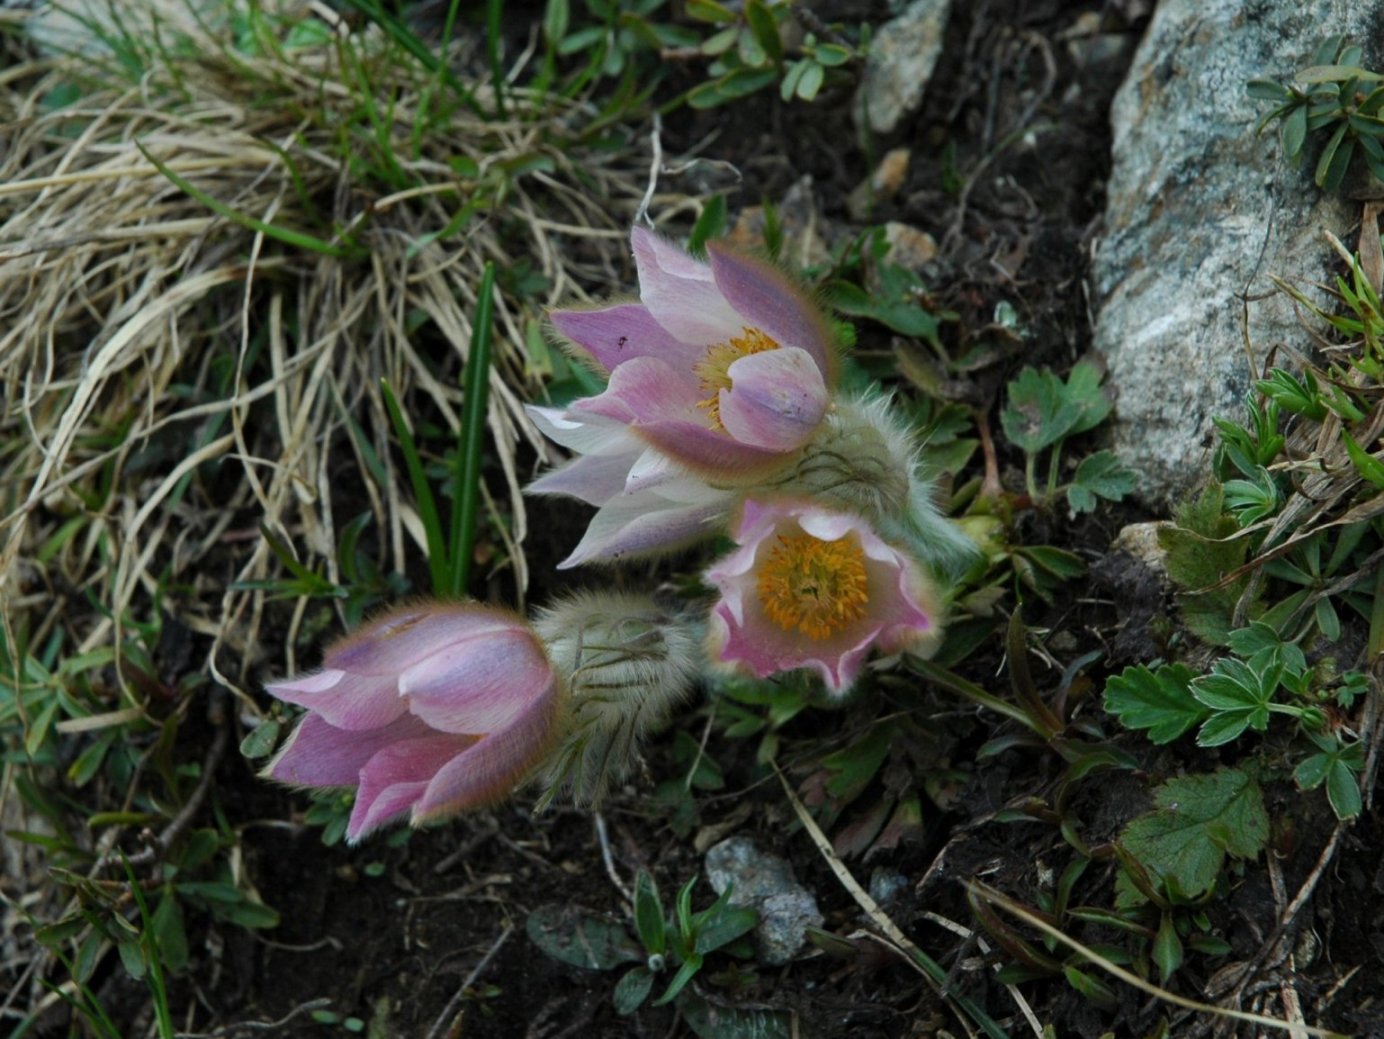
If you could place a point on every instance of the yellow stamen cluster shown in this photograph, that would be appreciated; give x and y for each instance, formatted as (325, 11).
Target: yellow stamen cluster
(714, 369)
(813, 586)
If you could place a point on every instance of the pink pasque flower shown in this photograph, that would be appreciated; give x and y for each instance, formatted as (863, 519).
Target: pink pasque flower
(427, 711)
(811, 587)
(717, 377)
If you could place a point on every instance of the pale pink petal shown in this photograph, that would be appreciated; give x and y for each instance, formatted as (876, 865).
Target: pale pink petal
(588, 434)
(776, 400)
(595, 479)
(621, 333)
(492, 767)
(680, 292)
(321, 755)
(344, 700)
(391, 643)
(767, 300)
(709, 452)
(396, 778)
(479, 685)
(639, 524)
(645, 389)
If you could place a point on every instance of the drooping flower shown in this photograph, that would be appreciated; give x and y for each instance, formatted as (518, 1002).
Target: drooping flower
(427, 711)
(717, 378)
(812, 587)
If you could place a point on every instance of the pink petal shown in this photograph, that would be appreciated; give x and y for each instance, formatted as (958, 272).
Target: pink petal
(588, 434)
(707, 451)
(491, 768)
(621, 333)
(767, 300)
(681, 293)
(320, 755)
(343, 700)
(645, 389)
(776, 400)
(396, 778)
(903, 605)
(393, 642)
(632, 526)
(479, 685)
(595, 479)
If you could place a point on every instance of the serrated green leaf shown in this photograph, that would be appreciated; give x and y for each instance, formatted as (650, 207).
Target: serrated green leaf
(1198, 820)
(1160, 701)
(1100, 475)
(1034, 418)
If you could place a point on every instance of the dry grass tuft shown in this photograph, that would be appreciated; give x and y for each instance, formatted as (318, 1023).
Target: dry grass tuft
(173, 378)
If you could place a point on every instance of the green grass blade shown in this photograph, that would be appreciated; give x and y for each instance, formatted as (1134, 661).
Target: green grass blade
(422, 493)
(475, 383)
(408, 40)
(283, 234)
(494, 11)
(150, 942)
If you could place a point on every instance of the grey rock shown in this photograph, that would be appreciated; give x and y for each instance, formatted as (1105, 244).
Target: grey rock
(765, 883)
(1201, 212)
(903, 54)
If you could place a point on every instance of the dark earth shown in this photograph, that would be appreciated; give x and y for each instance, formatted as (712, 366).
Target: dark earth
(425, 936)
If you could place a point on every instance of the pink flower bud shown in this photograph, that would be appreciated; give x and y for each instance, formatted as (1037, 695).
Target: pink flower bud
(427, 711)
(811, 587)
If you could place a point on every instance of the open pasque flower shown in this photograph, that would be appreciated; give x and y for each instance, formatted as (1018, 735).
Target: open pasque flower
(427, 711)
(717, 378)
(811, 587)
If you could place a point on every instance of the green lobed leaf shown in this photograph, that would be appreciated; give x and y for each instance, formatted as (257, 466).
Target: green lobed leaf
(1197, 822)
(1160, 701)
(1100, 475)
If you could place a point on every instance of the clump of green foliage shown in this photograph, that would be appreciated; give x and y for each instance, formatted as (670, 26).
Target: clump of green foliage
(1333, 97)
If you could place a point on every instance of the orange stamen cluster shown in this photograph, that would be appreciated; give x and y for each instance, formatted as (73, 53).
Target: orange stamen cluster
(813, 586)
(714, 369)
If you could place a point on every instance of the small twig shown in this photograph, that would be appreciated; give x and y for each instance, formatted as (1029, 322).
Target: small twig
(450, 1009)
(899, 942)
(641, 215)
(603, 838)
(1002, 901)
(259, 1026)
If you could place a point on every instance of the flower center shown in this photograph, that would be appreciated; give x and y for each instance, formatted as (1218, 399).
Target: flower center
(714, 369)
(813, 586)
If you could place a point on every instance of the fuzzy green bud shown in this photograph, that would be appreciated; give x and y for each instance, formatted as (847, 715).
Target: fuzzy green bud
(628, 662)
